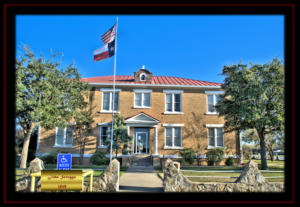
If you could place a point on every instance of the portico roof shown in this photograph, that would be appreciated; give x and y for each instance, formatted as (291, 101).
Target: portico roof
(142, 118)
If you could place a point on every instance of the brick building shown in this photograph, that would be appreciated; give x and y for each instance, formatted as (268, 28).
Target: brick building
(163, 115)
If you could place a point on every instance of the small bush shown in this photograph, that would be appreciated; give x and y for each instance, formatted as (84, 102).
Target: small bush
(229, 161)
(188, 155)
(215, 156)
(247, 152)
(125, 149)
(50, 159)
(99, 158)
(180, 160)
(210, 163)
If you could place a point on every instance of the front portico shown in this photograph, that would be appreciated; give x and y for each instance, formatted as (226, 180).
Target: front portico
(142, 123)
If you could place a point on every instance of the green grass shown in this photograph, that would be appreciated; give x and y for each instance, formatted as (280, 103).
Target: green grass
(225, 174)
(205, 168)
(275, 162)
(273, 166)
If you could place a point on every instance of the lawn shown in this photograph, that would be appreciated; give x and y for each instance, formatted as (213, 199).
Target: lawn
(232, 176)
(229, 176)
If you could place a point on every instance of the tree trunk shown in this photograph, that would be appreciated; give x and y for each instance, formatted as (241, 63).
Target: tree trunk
(239, 147)
(82, 153)
(25, 147)
(271, 154)
(264, 164)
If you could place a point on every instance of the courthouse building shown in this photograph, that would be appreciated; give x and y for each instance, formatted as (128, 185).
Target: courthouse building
(163, 114)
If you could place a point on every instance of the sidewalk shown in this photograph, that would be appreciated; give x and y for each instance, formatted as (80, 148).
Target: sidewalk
(140, 179)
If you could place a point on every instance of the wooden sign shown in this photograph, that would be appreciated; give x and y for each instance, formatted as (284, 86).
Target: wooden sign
(61, 180)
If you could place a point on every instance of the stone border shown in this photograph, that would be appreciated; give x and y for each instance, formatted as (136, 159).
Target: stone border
(250, 180)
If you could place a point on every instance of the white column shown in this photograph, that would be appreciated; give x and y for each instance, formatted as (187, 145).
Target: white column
(128, 132)
(155, 140)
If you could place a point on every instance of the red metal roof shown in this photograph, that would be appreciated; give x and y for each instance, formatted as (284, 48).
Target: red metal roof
(156, 80)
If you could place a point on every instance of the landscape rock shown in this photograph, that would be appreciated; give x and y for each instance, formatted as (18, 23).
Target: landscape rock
(250, 180)
(36, 165)
(251, 175)
(23, 184)
(108, 181)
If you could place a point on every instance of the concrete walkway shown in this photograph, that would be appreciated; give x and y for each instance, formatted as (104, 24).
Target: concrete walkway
(140, 179)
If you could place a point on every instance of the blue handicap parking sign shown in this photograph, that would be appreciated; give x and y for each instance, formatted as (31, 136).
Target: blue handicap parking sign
(64, 161)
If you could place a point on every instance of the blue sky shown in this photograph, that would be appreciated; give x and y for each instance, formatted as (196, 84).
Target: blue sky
(188, 46)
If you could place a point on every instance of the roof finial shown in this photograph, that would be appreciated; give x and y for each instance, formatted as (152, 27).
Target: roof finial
(143, 67)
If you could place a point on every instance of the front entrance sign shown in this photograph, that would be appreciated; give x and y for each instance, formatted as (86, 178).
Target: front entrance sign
(60, 180)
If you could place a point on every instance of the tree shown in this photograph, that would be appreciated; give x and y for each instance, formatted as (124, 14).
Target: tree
(121, 137)
(254, 99)
(45, 95)
(247, 152)
(83, 120)
(272, 140)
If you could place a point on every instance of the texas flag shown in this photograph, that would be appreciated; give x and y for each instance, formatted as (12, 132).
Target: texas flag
(105, 52)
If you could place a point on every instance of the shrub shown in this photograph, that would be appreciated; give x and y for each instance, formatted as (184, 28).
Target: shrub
(180, 160)
(210, 163)
(51, 158)
(229, 161)
(188, 155)
(247, 152)
(99, 158)
(125, 149)
(215, 156)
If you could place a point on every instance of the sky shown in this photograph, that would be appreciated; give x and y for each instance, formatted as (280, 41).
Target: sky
(187, 46)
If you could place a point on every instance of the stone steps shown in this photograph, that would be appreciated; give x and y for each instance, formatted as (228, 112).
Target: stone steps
(140, 160)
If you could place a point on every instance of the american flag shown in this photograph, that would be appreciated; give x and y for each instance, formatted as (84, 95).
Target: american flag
(109, 35)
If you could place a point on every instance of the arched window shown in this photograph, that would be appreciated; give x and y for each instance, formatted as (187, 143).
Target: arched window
(143, 77)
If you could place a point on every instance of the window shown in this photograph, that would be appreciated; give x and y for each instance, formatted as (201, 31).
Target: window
(107, 101)
(215, 137)
(142, 99)
(173, 101)
(104, 135)
(212, 100)
(143, 76)
(64, 137)
(173, 137)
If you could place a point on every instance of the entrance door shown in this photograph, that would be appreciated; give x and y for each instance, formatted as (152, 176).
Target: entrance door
(141, 141)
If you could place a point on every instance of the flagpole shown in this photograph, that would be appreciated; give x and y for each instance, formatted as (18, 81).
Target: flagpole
(113, 98)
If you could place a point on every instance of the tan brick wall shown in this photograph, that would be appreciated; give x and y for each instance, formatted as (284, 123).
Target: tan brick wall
(194, 132)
